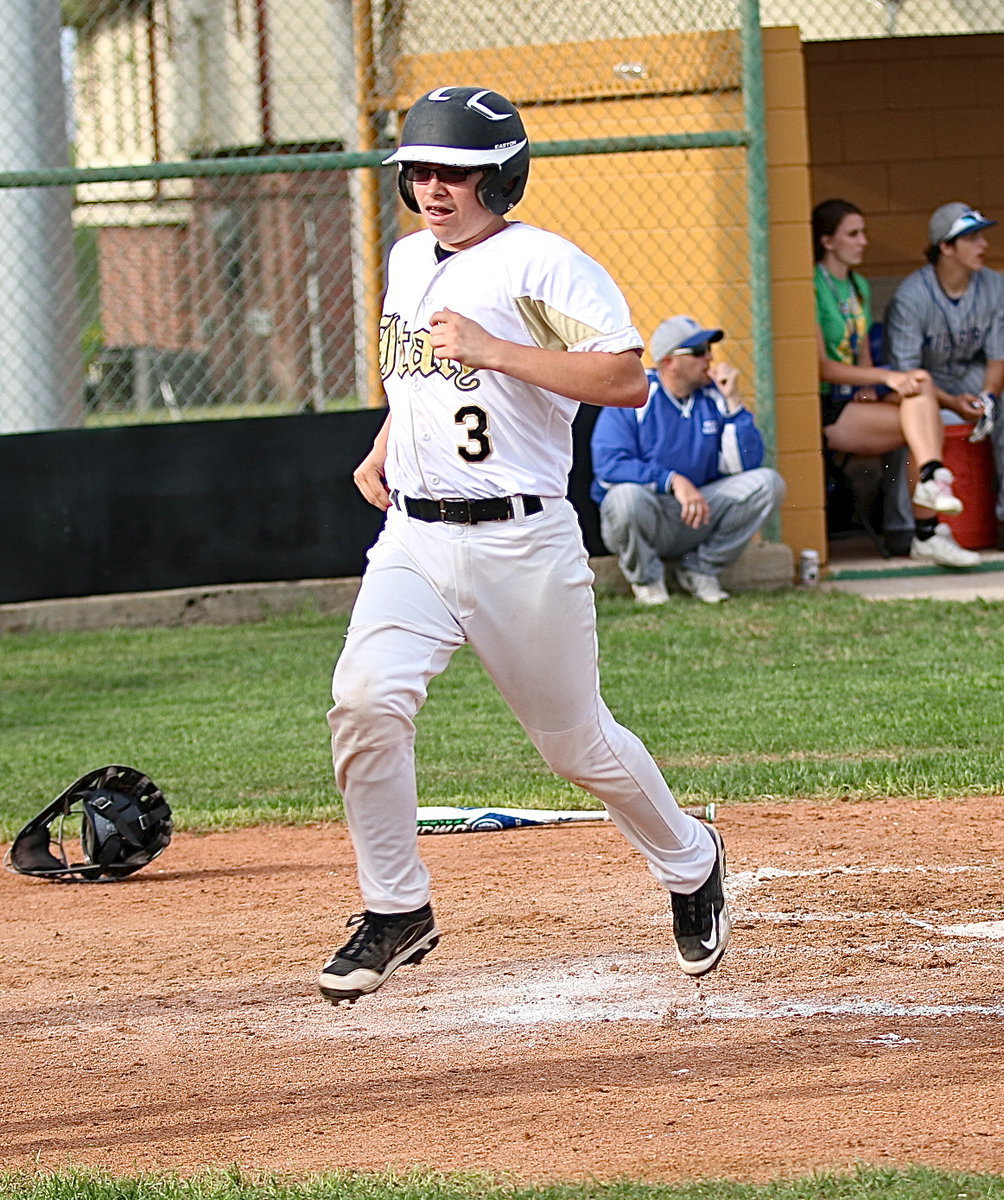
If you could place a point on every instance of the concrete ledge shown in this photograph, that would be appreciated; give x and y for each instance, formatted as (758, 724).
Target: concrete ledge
(764, 565)
(227, 604)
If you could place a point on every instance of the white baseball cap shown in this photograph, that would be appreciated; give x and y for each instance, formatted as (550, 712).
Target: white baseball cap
(679, 333)
(955, 220)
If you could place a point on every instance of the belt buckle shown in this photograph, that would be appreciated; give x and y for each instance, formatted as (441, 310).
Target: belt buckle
(455, 512)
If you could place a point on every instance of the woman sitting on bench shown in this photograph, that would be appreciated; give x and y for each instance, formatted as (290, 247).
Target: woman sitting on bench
(873, 410)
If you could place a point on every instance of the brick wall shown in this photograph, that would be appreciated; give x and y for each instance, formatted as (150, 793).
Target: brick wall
(234, 284)
(142, 287)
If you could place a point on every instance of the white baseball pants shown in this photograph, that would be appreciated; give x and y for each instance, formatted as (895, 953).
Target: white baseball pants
(519, 592)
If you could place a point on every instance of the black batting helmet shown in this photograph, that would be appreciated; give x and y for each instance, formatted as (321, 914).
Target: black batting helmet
(120, 817)
(467, 127)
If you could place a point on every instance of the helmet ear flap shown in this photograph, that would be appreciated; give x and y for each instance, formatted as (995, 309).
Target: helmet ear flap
(488, 189)
(406, 190)
(502, 187)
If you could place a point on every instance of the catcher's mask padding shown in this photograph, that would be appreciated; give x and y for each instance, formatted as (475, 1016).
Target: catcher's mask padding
(125, 822)
(467, 127)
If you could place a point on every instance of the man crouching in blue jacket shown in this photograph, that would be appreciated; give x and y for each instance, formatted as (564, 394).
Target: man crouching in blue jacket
(681, 478)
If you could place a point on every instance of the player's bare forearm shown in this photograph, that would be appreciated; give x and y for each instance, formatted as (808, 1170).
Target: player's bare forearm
(368, 476)
(964, 404)
(591, 377)
(993, 379)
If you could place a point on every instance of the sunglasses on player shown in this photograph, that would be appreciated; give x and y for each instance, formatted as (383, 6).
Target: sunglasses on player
(702, 350)
(422, 173)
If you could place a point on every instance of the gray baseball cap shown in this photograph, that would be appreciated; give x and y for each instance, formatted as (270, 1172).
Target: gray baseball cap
(955, 220)
(679, 333)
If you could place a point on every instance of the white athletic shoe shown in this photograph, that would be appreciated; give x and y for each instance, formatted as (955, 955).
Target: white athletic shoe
(703, 587)
(651, 594)
(943, 549)
(937, 493)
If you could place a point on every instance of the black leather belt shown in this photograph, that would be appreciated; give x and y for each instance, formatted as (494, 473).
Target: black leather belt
(467, 512)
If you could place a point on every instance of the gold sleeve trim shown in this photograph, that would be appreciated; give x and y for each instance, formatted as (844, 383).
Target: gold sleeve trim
(549, 328)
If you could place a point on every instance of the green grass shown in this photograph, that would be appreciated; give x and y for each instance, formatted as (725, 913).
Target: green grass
(790, 695)
(772, 696)
(865, 1183)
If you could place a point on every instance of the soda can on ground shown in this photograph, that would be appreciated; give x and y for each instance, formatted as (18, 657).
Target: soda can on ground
(808, 568)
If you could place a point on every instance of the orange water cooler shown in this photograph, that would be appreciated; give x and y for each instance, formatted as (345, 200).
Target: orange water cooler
(973, 467)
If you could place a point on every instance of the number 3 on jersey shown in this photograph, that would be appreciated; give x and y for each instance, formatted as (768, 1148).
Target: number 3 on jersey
(478, 445)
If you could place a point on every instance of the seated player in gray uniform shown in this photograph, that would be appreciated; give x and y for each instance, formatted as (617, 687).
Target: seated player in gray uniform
(948, 317)
(876, 410)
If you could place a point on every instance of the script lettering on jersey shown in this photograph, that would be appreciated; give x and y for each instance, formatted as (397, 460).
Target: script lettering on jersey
(957, 345)
(405, 351)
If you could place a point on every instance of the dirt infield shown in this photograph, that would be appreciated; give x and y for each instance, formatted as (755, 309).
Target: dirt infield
(169, 1021)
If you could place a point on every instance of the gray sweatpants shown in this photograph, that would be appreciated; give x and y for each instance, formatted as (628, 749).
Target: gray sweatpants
(643, 528)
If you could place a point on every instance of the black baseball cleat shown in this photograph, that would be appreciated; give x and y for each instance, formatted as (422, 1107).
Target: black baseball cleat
(701, 922)
(381, 943)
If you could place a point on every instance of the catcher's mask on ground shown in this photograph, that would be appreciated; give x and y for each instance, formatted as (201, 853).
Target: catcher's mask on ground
(119, 816)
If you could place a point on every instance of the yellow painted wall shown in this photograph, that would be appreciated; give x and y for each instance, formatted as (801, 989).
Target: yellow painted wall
(671, 225)
(799, 437)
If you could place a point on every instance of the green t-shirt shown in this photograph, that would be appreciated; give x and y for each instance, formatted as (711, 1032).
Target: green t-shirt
(844, 313)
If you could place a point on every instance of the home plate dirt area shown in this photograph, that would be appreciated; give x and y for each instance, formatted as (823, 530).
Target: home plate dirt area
(170, 1021)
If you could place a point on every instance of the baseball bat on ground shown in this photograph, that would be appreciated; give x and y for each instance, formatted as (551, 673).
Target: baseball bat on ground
(450, 819)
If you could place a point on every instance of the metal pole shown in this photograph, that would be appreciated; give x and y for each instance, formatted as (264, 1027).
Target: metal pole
(370, 270)
(41, 373)
(759, 241)
(341, 160)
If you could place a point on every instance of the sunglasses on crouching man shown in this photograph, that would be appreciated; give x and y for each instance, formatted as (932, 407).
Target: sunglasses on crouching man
(701, 350)
(424, 173)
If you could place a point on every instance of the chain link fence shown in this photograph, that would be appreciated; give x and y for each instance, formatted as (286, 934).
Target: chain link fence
(193, 224)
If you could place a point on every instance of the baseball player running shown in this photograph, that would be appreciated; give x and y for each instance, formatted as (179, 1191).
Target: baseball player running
(493, 332)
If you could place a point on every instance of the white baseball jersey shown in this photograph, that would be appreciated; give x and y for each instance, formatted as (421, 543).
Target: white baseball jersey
(476, 433)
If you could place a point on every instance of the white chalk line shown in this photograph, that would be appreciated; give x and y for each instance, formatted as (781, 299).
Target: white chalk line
(630, 989)
(762, 873)
(485, 1004)
(594, 991)
(740, 883)
(598, 989)
(993, 930)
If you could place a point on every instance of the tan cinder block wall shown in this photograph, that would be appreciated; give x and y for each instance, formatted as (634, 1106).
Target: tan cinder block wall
(901, 125)
(668, 225)
(644, 214)
(799, 458)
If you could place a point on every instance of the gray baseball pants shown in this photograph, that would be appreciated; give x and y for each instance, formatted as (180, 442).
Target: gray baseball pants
(643, 527)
